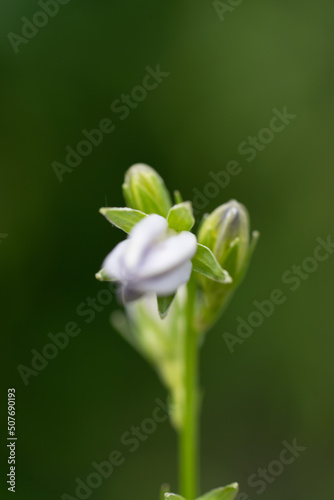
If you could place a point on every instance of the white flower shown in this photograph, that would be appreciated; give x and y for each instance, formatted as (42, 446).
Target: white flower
(150, 260)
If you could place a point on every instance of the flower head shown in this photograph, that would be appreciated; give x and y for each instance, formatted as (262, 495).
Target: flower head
(151, 259)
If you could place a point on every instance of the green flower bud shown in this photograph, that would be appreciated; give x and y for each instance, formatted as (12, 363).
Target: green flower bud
(226, 231)
(145, 190)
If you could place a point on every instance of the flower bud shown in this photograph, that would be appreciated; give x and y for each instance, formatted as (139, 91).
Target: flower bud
(145, 190)
(226, 232)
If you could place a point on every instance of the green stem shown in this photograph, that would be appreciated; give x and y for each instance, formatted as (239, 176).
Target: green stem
(189, 431)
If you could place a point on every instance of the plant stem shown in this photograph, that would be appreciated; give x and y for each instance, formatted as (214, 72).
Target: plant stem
(189, 431)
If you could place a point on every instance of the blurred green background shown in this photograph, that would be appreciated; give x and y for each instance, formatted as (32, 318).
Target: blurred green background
(225, 79)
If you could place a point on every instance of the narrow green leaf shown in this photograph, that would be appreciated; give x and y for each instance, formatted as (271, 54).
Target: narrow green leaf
(255, 239)
(180, 217)
(172, 496)
(178, 197)
(164, 304)
(227, 493)
(102, 276)
(206, 263)
(252, 246)
(123, 218)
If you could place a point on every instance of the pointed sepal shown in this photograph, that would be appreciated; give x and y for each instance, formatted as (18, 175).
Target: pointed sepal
(102, 276)
(164, 304)
(123, 218)
(180, 217)
(206, 263)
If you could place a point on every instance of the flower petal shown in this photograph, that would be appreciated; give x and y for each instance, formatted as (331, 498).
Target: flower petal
(168, 255)
(142, 236)
(167, 283)
(113, 264)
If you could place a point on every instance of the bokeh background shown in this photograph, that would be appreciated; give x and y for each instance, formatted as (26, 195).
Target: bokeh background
(225, 78)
